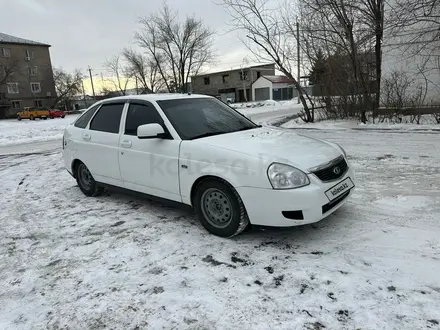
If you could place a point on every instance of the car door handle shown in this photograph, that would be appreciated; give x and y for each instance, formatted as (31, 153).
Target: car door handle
(125, 144)
(86, 137)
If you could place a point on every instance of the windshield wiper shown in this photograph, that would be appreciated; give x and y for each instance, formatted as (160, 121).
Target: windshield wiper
(250, 127)
(207, 134)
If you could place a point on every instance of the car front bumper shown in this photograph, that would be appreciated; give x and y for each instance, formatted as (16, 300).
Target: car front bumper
(265, 207)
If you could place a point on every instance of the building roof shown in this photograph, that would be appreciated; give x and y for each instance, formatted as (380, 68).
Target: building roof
(278, 79)
(8, 39)
(237, 68)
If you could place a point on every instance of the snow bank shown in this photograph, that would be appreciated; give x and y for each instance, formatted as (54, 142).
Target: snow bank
(26, 131)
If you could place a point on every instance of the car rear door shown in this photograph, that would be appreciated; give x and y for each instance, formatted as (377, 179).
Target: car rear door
(98, 143)
(150, 166)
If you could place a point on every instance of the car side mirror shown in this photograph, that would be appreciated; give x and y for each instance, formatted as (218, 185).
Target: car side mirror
(150, 131)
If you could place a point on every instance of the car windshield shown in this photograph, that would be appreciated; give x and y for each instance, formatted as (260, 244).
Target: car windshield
(201, 117)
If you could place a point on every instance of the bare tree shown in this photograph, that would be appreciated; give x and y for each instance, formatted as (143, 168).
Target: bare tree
(179, 49)
(269, 38)
(120, 74)
(348, 28)
(67, 85)
(144, 69)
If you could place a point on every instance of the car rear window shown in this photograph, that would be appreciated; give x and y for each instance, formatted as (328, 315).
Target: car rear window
(86, 116)
(108, 118)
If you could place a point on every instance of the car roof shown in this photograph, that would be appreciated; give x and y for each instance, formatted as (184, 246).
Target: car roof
(157, 97)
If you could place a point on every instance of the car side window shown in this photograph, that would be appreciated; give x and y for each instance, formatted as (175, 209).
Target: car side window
(108, 118)
(86, 116)
(141, 114)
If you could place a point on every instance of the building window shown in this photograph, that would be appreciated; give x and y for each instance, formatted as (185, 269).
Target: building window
(38, 103)
(32, 70)
(13, 88)
(6, 52)
(206, 80)
(258, 74)
(243, 75)
(35, 87)
(225, 78)
(16, 104)
(29, 54)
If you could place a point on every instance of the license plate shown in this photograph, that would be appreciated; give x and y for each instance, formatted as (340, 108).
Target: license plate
(341, 188)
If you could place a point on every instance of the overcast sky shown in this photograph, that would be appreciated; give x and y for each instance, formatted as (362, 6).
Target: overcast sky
(86, 32)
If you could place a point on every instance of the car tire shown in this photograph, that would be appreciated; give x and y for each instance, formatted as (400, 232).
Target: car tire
(63, 116)
(51, 117)
(31, 117)
(18, 118)
(219, 208)
(86, 182)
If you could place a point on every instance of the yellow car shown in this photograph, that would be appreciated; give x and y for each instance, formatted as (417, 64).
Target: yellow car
(32, 113)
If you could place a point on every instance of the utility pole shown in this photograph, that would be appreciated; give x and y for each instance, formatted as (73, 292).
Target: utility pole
(91, 80)
(244, 84)
(299, 59)
(84, 94)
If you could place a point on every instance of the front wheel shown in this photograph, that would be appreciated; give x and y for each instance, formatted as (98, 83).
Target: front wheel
(18, 118)
(32, 117)
(86, 182)
(220, 209)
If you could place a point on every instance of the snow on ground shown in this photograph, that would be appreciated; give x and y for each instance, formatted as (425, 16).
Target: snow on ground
(426, 124)
(13, 131)
(268, 112)
(122, 262)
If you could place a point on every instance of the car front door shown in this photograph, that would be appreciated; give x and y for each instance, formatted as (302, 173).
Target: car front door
(99, 143)
(148, 165)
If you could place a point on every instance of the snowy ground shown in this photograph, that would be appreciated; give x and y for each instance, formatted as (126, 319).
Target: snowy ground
(120, 262)
(268, 112)
(13, 131)
(427, 125)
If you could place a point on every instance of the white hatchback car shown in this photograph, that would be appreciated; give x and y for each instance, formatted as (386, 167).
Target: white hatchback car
(196, 150)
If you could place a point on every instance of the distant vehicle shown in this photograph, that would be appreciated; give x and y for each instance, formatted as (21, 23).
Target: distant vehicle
(197, 150)
(33, 113)
(55, 113)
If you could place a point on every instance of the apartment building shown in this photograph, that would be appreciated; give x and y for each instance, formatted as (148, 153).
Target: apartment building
(26, 76)
(234, 85)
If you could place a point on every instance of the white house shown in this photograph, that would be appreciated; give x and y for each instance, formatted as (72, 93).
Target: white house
(273, 88)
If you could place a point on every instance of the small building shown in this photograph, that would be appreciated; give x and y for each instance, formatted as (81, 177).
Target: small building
(276, 88)
(26, 76)
(234, 85)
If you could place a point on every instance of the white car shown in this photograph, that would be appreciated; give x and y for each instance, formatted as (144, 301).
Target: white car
(196, 150)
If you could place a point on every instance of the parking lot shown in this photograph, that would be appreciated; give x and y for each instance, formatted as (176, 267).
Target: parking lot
(122, 262)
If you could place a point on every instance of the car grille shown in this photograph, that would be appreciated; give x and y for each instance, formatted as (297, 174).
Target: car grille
(333, 171)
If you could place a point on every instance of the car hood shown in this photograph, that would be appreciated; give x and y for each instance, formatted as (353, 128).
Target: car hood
(277, 145)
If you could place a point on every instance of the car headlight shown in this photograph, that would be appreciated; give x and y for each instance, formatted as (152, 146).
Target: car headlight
(282, 176)
(342, 149)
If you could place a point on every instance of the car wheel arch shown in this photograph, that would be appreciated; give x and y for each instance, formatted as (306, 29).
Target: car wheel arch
(75, 164)
(204, 178)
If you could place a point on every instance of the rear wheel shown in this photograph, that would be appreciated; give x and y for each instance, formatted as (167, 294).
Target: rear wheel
(32, 117)
(86, 182)
(220, 209)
